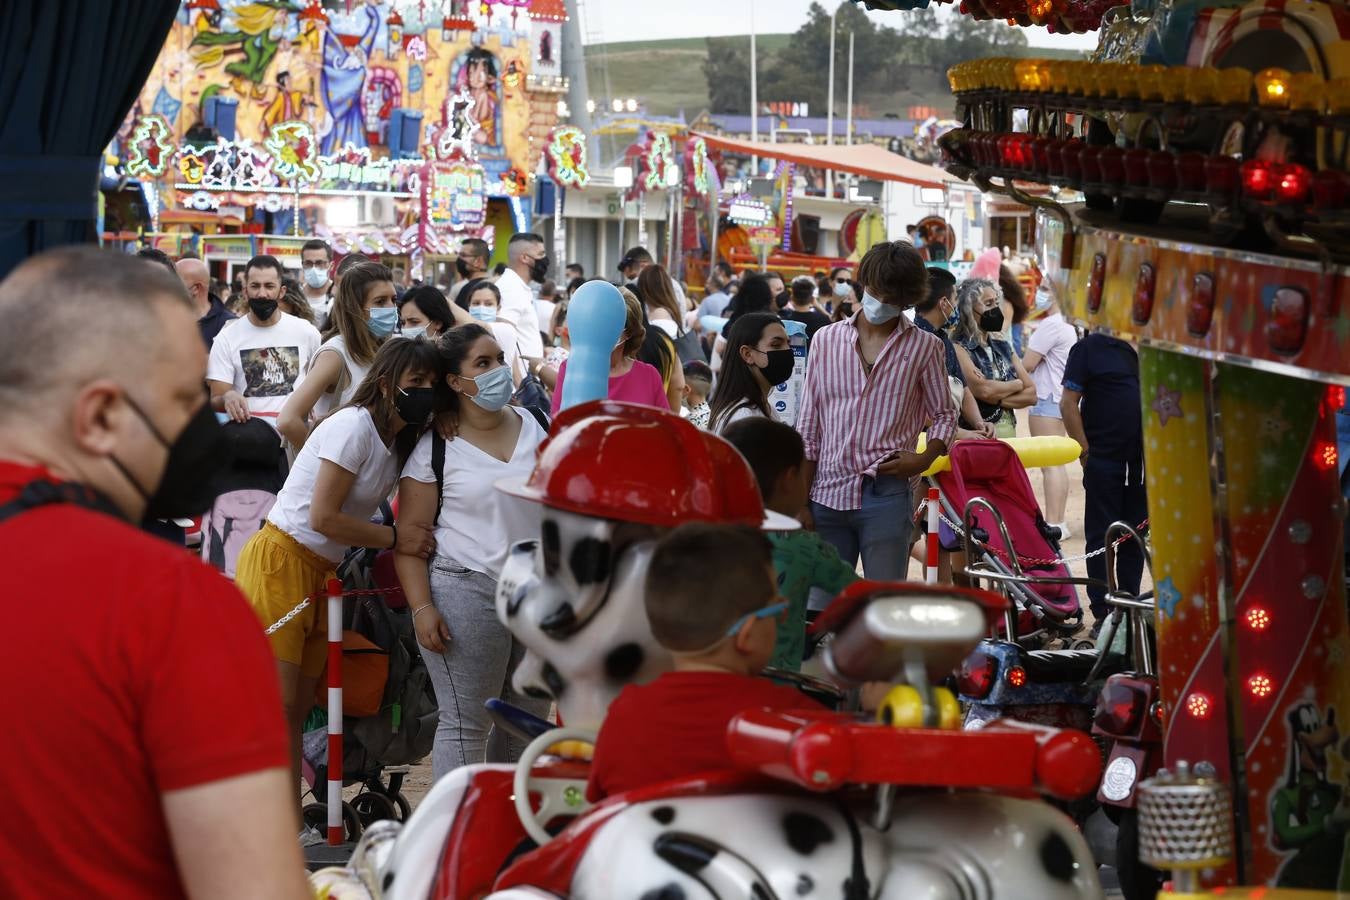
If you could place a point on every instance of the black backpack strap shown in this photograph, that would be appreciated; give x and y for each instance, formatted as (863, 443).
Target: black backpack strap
(37, 494)
(438, 467)
(541, 417)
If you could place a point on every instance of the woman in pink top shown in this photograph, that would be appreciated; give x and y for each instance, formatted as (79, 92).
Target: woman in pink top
(630, 379)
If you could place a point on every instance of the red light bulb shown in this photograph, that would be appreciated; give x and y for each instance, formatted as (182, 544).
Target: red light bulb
(1198, 705)
(1336, 397)
(1258, 619)
(1325, 455)
(1260, 686)
(1257, 179)
(1016, 676)
(1293, 182)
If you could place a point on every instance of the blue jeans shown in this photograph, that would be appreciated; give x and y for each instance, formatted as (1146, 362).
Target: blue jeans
(879, 530)
(1114, 491)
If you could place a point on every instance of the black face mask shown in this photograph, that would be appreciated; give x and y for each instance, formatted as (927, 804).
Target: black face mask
(846, 309)
(263, 307)
(187, 488)
(779, 367)
(539, 269)
(415, 404)
(991, 320)
(463, 268)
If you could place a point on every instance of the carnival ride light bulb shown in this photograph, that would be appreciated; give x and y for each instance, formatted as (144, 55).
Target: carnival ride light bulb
(1260, 686)
(590, 106)
(1272, 88)
(1335, 397)
(616, 104)
(1307, 91)
(1235, 86)
(630, 104)
(1325, 455)
(1258, 618)
(1198, 706)
(1338, 96)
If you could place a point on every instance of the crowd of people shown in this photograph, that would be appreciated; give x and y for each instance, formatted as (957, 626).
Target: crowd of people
(352, 388)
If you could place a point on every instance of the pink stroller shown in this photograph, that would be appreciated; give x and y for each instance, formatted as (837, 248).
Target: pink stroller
(1007, 535)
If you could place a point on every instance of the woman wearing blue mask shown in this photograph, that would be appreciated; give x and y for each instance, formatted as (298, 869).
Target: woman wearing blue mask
(362, 317)
(448, 484)
(482, 300)
(424, 311)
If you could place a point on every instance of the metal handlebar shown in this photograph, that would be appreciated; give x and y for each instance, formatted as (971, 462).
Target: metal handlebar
(1127, 605)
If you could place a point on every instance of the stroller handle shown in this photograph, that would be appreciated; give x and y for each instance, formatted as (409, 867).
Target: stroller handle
(1114, 532)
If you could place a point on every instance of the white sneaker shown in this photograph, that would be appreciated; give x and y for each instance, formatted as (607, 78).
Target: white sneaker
(311, 837)
(1064, 532)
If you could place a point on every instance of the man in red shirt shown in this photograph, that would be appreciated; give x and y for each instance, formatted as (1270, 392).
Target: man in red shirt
(722, 633)
(145, 753)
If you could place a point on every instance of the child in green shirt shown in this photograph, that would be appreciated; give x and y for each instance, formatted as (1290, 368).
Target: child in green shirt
(801, 559)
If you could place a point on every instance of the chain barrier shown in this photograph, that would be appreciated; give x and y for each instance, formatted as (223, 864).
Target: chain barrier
(304, 604)
(1032, 562)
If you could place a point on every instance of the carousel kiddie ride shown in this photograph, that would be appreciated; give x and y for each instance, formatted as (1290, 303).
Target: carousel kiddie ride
(1209, 142)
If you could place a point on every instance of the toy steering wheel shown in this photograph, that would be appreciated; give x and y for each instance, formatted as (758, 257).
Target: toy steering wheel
(557, 796)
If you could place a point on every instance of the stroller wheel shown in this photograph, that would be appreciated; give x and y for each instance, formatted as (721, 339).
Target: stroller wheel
(373, 807)
(1083, 644)
(316, 814)
(404, 807)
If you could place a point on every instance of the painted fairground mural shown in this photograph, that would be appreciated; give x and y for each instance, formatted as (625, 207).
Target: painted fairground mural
(264, 103)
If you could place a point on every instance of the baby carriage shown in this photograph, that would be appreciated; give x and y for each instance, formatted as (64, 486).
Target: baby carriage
(1022, 545)
(390, 708)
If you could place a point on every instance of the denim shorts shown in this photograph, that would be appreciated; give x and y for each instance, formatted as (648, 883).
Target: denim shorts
(1046, 407)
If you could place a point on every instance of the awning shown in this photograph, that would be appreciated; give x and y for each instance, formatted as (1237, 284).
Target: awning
(868, 160)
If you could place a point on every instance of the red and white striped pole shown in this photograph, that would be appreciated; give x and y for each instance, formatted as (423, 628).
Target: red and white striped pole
(932, 535)
(335, 828)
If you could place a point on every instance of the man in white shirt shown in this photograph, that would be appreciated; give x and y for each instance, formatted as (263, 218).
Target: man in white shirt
(256, 362)
(526, 261)
(316, 263)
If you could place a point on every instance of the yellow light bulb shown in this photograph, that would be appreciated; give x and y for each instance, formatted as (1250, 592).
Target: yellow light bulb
(1150, 79)
(1235, 86)
(1026, 75)
(1272, 88)
(1338, 96)
(1127, 82)
(1201, 85)
(1307, 91)
(1174, 84)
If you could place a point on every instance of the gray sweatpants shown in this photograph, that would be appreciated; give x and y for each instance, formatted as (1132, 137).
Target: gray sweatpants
(476, 666)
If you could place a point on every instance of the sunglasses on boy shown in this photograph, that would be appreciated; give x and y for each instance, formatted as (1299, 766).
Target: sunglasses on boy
(768, 612)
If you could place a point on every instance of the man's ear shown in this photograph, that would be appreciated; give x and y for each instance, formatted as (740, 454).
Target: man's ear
(97, 417)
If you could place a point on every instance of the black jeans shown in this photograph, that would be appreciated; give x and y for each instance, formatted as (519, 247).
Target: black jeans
(1115, 492)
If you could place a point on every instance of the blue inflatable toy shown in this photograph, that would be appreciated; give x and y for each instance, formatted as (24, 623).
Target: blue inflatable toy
(595, 318)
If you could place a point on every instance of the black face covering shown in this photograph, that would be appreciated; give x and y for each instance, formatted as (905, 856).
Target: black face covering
(262, 307)
(779, 367)
(991, 320)
(415, 404)
(187, 487)
(539, 269)
(463, 268)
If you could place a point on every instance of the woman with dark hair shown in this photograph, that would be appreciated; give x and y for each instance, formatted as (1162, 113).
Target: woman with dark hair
(754, 295)
(994, 374)
(448, 485)
(846, 304)
(758, 358)
(482, 300)
(1015, 308)
(293, 301)
(630, 378)
(344, 472)
(425, 311)
(654, 288)
(362, 317)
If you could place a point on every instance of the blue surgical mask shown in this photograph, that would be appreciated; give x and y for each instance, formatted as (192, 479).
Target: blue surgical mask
(419, 331)
(382, 320)
(484, 313)
(842, 289)
(878, 313)
(316, 278)
(494, 389)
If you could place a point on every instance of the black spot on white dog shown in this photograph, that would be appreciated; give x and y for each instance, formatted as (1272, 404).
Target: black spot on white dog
(517, 597)
(759, 892)
(668, 892)
(664, 814)
(687, 852)
(590, 561)
(805, 832)
(1057, 857)
(559, 622)
(805, 885)
(552, 546)
(538, 693)
(553, 680)
(622, 663)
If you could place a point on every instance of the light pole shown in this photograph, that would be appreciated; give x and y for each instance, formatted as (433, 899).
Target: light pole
(754, 94)
(829, 107)
(848, 129)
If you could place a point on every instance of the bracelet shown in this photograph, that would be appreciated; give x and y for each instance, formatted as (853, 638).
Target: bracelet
(420, 608)
(394, 543)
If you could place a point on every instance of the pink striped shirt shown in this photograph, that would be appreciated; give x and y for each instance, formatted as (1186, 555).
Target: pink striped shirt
(851, 421)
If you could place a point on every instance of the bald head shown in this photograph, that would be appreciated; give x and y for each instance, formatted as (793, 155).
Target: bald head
(197, 279)
(76, 314)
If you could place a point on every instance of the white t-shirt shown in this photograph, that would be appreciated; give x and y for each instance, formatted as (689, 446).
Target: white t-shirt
(263, 364)
(1052, 339)
(478, 523)
(356, 373)
(348, 438)
(506, 338)
(543, 311)
(743, 411)
(517, 310)
(671, 329)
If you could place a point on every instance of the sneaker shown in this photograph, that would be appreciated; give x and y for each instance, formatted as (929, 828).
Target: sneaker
(311, 837)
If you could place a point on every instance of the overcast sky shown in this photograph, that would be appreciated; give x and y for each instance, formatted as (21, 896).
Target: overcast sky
(644, 20)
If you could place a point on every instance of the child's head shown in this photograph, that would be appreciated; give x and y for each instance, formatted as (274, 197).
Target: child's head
(728, 622)
(697, 382)
(776, 456)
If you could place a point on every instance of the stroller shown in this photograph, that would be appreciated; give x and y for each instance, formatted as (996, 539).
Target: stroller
(1048, 609)
(397, 722)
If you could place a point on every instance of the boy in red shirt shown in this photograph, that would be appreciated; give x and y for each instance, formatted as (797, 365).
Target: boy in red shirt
(721, 631)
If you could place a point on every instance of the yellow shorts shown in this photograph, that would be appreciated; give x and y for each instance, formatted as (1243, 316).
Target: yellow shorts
(276, 572)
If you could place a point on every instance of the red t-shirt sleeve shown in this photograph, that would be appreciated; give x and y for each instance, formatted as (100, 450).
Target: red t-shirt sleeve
(209, 704)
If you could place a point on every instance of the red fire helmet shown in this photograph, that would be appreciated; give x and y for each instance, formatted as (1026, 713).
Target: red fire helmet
(631, 463)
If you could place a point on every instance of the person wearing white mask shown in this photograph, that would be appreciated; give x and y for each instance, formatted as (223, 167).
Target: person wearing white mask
(448, 484)
(363, 316)
(316, 282)
(483, 301)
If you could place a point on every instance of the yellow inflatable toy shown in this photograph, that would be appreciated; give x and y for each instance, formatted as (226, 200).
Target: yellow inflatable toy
(1034, 452)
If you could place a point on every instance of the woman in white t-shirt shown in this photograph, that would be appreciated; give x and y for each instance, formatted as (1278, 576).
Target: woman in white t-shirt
(346, 469)
(1047, 352)
(469, 653)
(362, 317)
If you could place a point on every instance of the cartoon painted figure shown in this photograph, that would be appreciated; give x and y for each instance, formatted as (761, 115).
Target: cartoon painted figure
(344, 77)
(261, 28)
(478, 73)
(288, 104)
(1309, 815)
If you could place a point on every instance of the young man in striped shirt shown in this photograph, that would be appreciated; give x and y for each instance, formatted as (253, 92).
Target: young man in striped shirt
(874, 381)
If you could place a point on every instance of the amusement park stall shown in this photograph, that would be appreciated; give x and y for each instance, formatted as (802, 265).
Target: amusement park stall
(392, 128)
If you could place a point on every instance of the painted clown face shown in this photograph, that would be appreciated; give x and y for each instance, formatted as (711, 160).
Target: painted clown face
(574, 598)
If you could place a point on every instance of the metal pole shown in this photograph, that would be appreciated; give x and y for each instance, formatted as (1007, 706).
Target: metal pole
(829, 109)
(574, 66)
(848, 131)
(754, 93)
(335, 824)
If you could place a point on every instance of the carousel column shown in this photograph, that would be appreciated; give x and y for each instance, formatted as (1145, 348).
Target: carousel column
(1188, 556)
(1290, 647)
